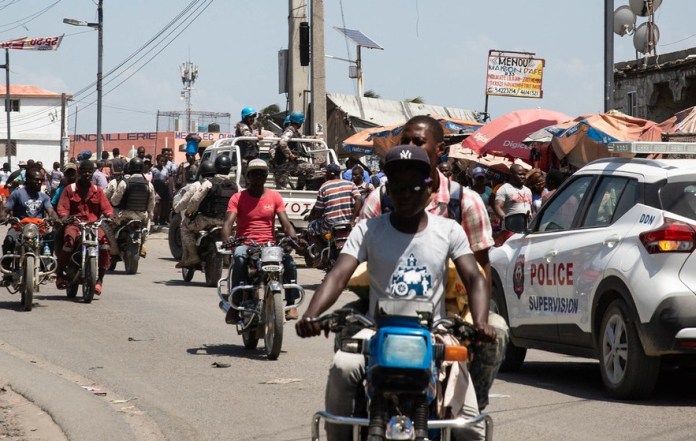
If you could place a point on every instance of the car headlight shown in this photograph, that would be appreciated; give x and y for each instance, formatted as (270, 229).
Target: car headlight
(30, 231)
(404, 351)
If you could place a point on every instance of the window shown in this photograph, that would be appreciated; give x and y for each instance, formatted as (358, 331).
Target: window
(14, 106)
(632, 98)
(679, 198)
(613, 198)
(562, 209)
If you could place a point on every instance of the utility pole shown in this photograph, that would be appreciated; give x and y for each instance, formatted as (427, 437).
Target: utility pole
(8, 107)
(189, 73)
(298, 75)
(63, 138)
(608, 55)
(318, 70)
(100, 56)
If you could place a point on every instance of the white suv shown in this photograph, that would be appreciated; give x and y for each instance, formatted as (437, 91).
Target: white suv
(606, 270)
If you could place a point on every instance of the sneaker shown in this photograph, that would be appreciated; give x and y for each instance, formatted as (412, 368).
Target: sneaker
(98, 288)
(292, 314)
(60, 283)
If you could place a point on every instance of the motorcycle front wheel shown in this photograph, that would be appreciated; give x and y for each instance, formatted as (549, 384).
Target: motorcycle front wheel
(90, 279)
(274, 315)
(28, 288)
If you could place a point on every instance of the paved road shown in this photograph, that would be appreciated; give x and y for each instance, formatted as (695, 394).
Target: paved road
(146, 348)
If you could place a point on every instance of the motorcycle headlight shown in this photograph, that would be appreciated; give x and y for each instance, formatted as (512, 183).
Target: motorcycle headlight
(271, 254)
(404, 351)
(30, 231)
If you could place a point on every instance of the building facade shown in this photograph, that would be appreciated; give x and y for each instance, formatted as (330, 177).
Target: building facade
(655, 88)
(35, 124)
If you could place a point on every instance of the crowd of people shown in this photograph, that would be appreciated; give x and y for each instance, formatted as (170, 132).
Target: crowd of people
(432, 200)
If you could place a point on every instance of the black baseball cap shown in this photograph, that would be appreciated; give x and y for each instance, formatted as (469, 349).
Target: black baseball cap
(409, 157)
(333, 169)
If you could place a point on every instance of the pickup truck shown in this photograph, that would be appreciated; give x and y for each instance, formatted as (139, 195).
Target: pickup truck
(297, 202)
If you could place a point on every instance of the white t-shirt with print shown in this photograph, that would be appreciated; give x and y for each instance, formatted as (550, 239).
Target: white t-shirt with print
(515, 200)
(407, 266)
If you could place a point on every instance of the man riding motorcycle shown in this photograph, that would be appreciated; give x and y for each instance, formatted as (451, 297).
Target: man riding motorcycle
(135, 199)
(207, 207)
(338, 201)
(27, 201)
(285, 157)
(86, 202)
(254, 211)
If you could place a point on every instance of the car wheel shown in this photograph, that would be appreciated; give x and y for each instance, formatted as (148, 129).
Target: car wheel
(514, 355)
(627, 372)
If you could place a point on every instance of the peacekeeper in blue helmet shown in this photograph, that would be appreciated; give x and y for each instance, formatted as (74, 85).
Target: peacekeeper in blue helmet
(286, 157)
(248, 149)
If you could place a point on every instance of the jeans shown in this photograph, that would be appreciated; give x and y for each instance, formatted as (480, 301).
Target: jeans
(240, 272)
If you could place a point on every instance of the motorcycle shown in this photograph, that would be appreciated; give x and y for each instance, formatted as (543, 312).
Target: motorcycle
(211, 261)
(30, 263)
(262, 302)
(130, 236)
(83, 267)
(323, 250)
(402, 366)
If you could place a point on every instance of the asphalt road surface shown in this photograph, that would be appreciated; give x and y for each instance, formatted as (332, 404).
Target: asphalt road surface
(139, 363)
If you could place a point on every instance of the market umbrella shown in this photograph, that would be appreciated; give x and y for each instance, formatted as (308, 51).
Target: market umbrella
(503, 136)
(495, 165)
(390, 136)
(360, 143)
(587, 137)
(683, 121)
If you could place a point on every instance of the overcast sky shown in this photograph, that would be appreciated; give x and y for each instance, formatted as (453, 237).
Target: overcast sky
(433, 49)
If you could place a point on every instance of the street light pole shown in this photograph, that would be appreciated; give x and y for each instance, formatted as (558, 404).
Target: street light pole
(100, 50)
(99, 26)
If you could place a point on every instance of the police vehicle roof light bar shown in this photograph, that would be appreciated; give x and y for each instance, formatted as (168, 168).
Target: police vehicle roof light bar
(665, 148)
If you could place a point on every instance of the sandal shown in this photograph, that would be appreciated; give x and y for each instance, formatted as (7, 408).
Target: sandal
(98, 288)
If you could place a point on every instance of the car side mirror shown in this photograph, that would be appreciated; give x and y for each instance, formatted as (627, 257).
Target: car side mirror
(517, 223)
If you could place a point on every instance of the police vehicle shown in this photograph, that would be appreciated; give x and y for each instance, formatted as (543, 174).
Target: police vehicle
(607, 270)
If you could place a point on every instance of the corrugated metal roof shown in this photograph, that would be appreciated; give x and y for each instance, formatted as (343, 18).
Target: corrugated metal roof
(29, 91)
(386, 112)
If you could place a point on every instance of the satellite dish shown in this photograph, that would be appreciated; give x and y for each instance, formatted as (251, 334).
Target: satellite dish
(640, 7)
(645, 37)
(624, 20)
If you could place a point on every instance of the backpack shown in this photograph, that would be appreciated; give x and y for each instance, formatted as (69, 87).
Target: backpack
(454, 207)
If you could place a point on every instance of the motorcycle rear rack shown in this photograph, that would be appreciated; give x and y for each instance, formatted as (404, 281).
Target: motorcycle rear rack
(445, 425)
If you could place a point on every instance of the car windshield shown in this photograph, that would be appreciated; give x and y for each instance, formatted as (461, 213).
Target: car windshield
(679, 198)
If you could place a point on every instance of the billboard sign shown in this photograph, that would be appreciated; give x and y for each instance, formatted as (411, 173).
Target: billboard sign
(515, 76)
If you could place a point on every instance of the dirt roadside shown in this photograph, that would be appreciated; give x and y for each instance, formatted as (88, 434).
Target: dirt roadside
(22, 420)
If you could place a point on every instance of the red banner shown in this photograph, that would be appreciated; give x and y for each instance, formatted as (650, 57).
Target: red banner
(33, 44)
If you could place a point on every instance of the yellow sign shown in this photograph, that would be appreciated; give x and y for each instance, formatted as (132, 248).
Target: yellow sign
(514, 76)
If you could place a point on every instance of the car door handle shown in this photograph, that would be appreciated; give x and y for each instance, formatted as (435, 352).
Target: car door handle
(550, 255)
(612, 240)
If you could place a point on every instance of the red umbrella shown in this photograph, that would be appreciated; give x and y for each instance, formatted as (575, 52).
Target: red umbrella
(503, 136)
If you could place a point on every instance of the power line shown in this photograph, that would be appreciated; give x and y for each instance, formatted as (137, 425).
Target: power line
(28, 18)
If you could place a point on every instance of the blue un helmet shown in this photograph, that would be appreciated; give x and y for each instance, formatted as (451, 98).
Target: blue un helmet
(248, 111)
(286, 121)
(297, 118)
